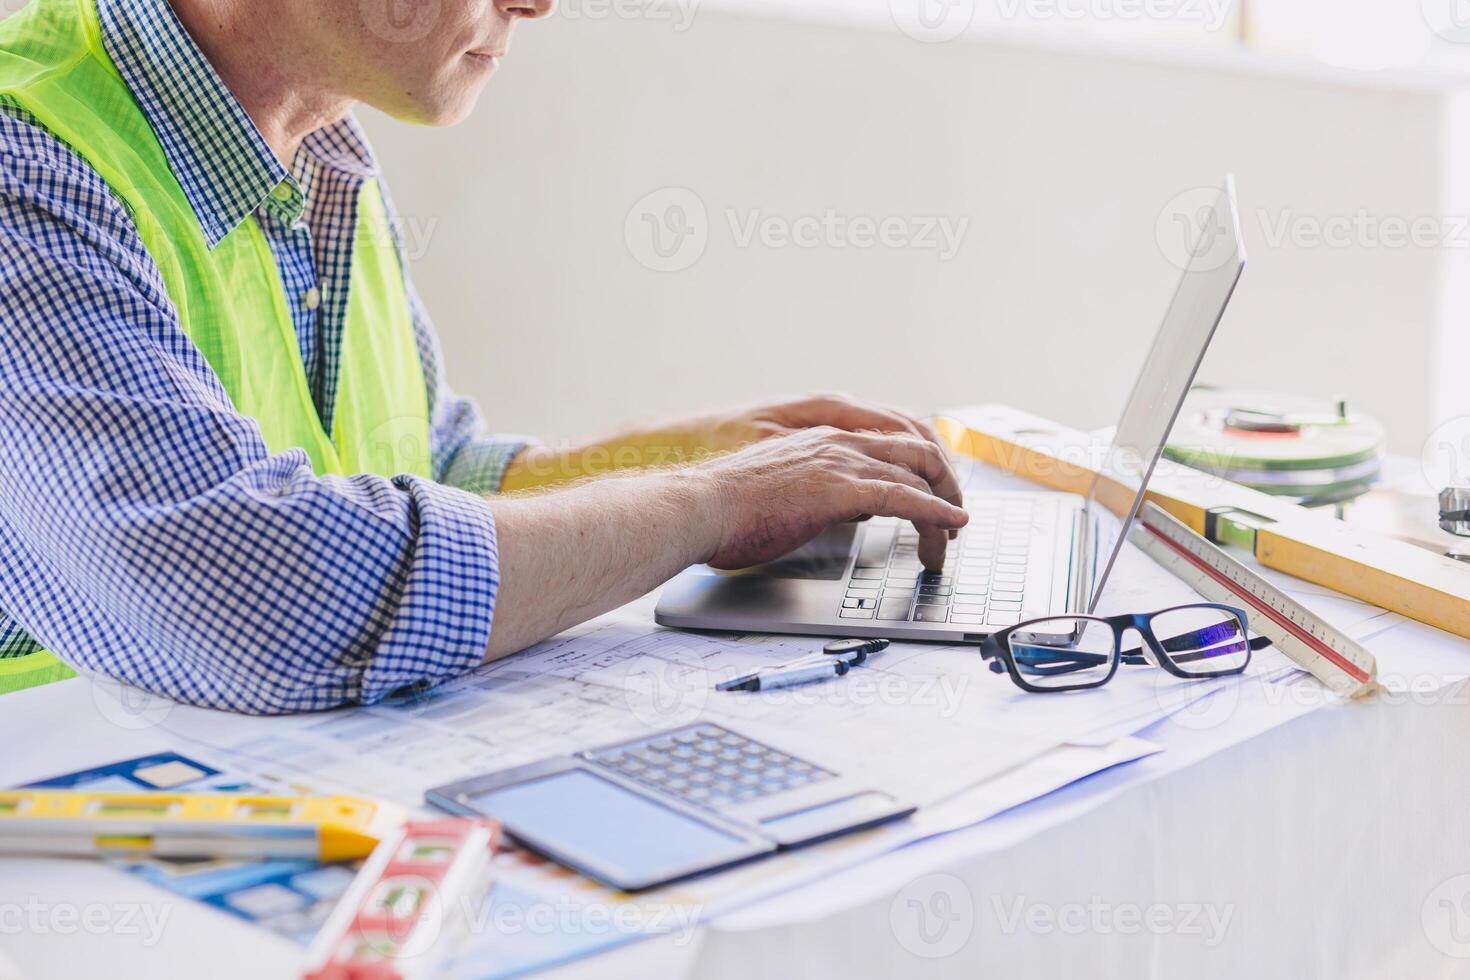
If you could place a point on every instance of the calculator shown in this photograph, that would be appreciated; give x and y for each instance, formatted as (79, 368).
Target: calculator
(677, 803)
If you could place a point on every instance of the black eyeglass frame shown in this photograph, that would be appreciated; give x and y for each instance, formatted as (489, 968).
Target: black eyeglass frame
(996, 648)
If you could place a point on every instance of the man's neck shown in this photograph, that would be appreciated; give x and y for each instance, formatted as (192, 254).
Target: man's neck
(266, 66)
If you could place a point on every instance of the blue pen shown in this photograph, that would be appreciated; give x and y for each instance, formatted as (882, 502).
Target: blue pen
(835, 660)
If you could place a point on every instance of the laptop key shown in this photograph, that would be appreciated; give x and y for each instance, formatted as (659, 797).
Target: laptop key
(931, 614)
(851, 603)
(968, 619)
(856, 613)
(867, 573)
(894, 609)
(932, 600)
(877, 542)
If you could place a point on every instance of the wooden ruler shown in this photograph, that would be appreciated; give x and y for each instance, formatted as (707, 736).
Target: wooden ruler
(1314, 644)
(1308, 544)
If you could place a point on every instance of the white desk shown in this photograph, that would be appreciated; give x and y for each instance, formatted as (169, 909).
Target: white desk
(1267, 840)
(1323, 839)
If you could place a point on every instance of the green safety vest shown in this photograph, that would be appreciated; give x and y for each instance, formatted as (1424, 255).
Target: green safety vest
(230, 299)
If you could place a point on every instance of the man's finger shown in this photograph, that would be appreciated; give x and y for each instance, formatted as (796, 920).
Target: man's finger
(923, 458)
(845, 413)
(882, 498)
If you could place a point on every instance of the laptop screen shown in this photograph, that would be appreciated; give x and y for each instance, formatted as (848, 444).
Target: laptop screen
(1212, 268)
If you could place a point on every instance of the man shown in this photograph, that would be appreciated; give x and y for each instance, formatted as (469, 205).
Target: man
(230, 470)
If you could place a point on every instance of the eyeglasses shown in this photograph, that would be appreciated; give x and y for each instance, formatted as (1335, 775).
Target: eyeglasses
(1073, 653)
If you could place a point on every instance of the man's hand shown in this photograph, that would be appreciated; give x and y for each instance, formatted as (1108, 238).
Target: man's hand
(682, 441)
(777, 495)
(732, 430)
(573, 554)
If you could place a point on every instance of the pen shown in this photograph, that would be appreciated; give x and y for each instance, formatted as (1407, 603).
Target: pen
(69, 823)
(836, 659)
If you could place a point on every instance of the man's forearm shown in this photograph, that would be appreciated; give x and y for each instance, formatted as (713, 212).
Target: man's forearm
(568, 556)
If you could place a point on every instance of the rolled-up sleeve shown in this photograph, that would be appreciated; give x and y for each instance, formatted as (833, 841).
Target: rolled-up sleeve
(147, 532)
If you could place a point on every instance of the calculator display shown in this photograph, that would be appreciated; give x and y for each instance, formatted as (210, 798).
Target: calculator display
(632, 837)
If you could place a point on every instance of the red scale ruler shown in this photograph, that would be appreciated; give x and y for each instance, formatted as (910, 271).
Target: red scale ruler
(1330, 655)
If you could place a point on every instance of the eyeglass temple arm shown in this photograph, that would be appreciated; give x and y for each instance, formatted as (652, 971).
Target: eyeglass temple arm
(1134, 655)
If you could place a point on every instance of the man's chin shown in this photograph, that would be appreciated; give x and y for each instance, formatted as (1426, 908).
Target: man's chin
(448, 109)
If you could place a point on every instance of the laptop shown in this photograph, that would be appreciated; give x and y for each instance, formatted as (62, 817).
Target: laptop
(1024, 554)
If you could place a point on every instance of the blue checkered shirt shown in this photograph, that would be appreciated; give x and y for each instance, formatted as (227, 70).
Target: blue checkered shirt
(145, 532)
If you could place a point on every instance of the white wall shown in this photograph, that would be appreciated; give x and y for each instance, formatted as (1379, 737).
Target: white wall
(1065, 160)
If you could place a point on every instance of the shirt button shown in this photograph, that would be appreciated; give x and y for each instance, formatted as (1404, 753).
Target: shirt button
(282, 191)
(313, 298)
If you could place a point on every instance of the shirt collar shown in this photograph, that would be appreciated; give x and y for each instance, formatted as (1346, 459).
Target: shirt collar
(226, 169)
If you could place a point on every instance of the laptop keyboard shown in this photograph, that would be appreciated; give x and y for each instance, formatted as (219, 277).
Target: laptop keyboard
(984, 577)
